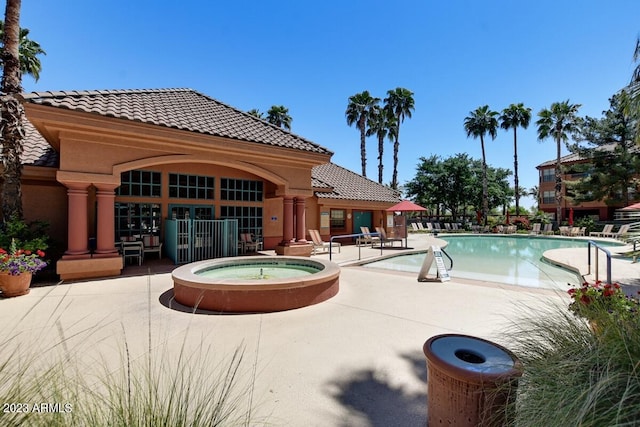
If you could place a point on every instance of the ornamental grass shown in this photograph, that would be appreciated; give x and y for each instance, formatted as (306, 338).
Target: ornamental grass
(56, 378)
(576, 374)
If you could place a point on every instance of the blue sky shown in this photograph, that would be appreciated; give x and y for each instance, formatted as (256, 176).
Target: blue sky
(311, 56)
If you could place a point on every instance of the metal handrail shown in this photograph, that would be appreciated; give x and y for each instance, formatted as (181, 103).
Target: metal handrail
(448, 256)
(342, 236)
(606, 251)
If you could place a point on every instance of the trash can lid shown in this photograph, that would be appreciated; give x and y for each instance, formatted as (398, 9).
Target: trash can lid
(472, 354)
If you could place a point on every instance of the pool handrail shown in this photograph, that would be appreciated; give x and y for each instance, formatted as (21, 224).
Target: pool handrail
(342, 236)
(606, 251)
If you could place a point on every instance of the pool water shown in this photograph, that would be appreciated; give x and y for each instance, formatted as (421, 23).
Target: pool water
(513, 260)
(257, 271)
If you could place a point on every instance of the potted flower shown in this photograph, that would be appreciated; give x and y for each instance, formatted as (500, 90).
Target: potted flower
(16, 269)
(592, 301)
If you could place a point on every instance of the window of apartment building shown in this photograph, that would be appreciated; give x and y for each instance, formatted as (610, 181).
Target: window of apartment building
(184, 186)
(548, 197)
(241, 190)
(140, 183)
(548, 175)
(338, 219)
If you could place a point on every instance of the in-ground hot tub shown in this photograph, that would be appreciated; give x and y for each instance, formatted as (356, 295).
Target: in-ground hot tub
(255, 283)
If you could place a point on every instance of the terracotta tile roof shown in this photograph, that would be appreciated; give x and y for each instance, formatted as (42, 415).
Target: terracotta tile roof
(348, 185)
(574, 157)
(36, 150)
(183, 109)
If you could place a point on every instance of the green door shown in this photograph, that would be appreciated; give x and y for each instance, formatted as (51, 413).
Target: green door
(361, 219)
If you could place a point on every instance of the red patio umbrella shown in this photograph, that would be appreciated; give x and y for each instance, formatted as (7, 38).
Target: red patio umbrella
(634, 207)
(405, 206)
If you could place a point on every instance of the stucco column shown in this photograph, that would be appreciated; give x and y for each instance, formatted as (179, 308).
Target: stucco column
(105, 234)
(301, 225)
(287, 226)
(77, 236)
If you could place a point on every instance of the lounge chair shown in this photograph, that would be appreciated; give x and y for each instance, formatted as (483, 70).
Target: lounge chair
(248, 243)
(624, 229)
(318, 243)
(429, 227)
(367, 238)
(577, 231)
(548, 229)
(415, 227)
(608, 228)
(420, 226)
(535, 229)
(384, 239)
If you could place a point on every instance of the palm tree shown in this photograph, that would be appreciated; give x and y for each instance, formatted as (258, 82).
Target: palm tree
(382, 125)
(482, 121)
(278, 115)
(256, 113)
(358, 111)
(11, 114)
(535, 193)
(28, 52)
(558, 122)
(514, 116)
(399, 103)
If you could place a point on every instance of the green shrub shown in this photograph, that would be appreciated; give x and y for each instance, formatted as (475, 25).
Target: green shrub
(29, 236)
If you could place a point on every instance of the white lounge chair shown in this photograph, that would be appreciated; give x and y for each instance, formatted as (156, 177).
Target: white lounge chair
(608, 228)
(548, 229)
(624, 229)
(535, 229)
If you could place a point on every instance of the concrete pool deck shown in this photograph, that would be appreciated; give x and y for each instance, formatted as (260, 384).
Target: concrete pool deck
(353, 360)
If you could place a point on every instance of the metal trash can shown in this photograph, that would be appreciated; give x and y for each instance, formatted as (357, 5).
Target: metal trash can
(470, 381)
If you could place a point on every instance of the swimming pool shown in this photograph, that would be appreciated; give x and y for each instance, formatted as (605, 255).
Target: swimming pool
(514, 260)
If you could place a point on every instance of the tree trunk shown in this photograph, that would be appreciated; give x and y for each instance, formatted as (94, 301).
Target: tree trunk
(363, 147)
(515, 170)
(396, 148)
(380, 153)
(485, 186)
(11, 112)
(558, 187)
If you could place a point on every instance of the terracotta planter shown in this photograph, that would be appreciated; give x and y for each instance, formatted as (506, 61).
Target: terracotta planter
(13, 286)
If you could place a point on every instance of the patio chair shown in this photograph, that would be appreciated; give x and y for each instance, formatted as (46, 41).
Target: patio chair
(564, 230)
(608, 228)
(384, 239)
(548, 229)
(577, 231)
(535, 229)
(318, 243)
(367, 238)
(248, 244)
(624, 229)
(420, 226)
(415, 227)
(152, 244)
(134, 250)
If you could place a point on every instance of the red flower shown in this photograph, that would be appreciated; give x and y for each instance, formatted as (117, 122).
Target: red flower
(40, 253)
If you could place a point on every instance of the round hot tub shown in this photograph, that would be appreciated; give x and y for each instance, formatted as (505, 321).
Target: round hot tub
(255, 284)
